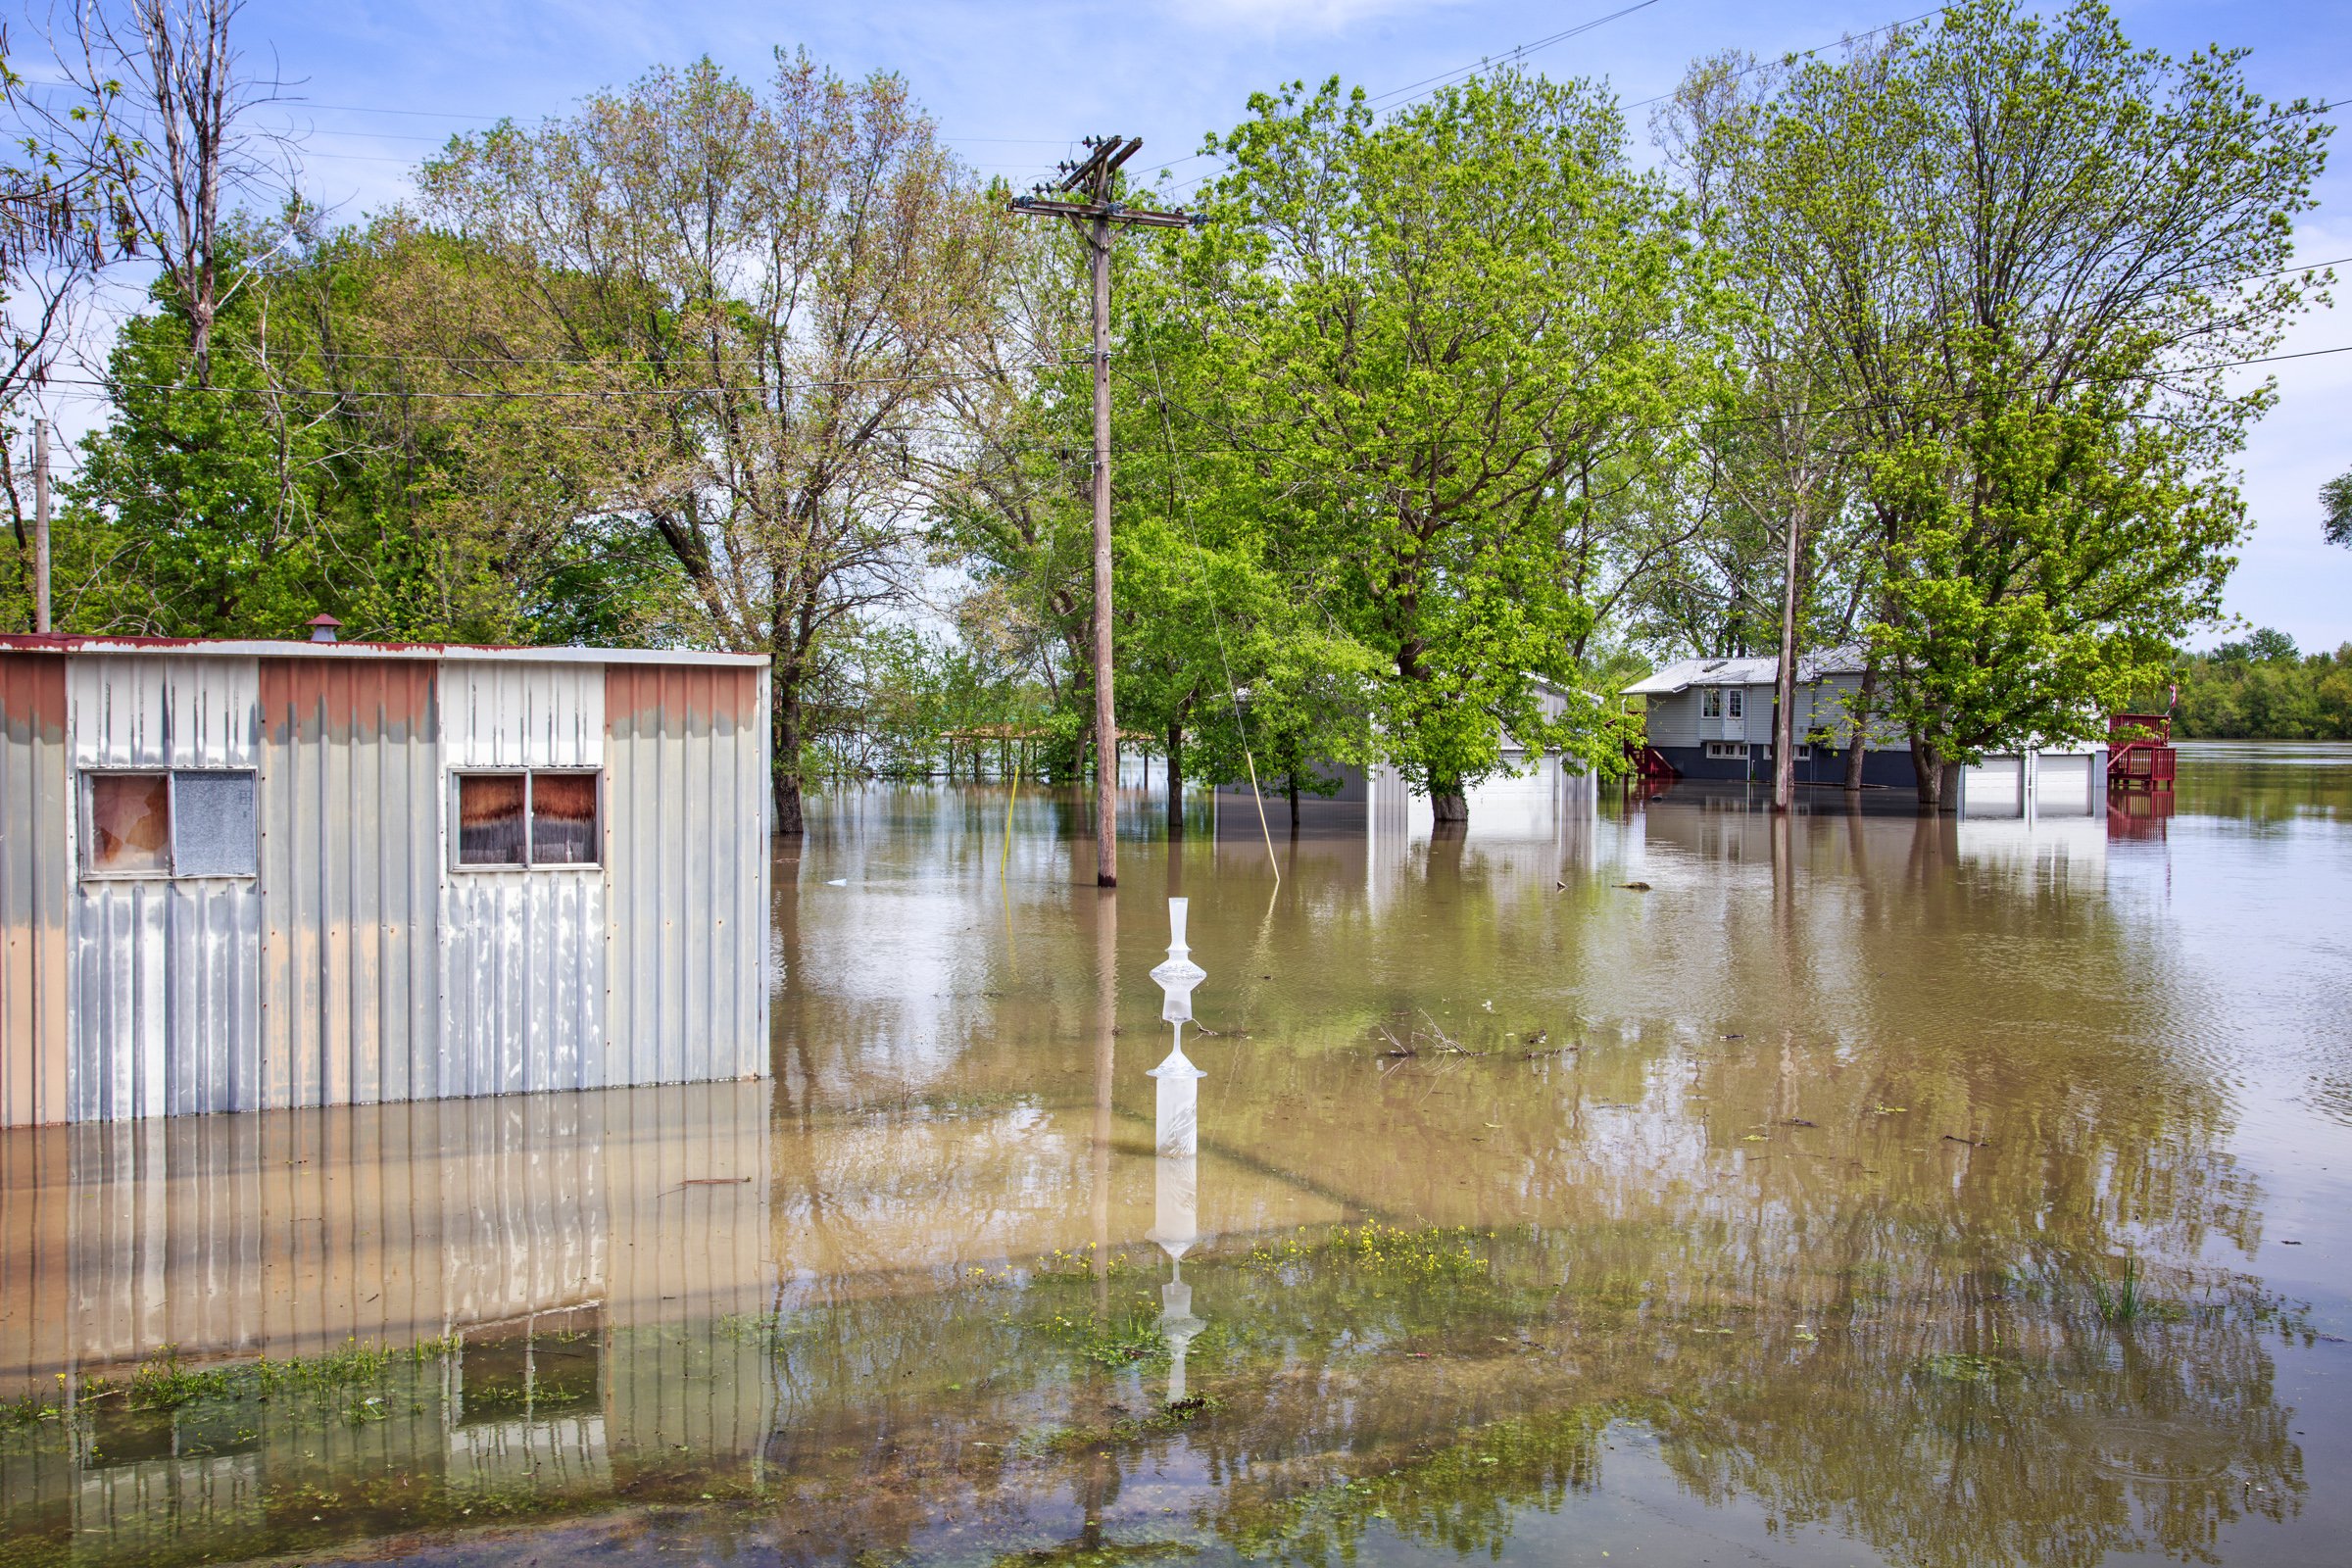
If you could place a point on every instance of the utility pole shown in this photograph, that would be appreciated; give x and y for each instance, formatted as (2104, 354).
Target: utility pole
(1083, 196)
(40, 526)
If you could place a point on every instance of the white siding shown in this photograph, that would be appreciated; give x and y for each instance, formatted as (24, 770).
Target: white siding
(1674, 720)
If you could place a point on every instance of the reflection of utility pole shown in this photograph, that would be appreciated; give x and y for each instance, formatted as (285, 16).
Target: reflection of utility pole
(1095, 212)
(40, 526)
(1106, 1020)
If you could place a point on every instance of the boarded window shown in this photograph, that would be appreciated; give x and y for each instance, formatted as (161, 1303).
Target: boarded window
(131, 823)
(564, 819)
(212, 824)
(490, 819)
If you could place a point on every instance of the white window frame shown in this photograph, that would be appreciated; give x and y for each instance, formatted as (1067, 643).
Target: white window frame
(1727, 751)
(86, 833)
(456, 838)
(1710, 702)
(1734, 704)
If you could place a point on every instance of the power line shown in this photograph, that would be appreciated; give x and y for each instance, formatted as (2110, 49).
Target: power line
(1806, 54)
(1515, 52)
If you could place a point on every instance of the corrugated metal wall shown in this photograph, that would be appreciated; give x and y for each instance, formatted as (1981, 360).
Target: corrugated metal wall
(358, 965)
(34, 804)
(351, 881)
(523, 960)
(165, 1004)
(287, 1233)
(686, 842)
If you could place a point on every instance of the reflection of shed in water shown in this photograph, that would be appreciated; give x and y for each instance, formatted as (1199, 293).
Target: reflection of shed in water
(243, 875)
(591, 1254)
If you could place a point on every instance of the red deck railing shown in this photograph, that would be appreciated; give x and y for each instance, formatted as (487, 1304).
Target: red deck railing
(2139, 751)
(1648, 762)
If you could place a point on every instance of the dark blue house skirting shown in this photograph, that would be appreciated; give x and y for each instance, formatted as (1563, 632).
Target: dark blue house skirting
(1891, 769)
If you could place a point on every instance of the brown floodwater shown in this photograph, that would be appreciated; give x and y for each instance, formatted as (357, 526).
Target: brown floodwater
(1855, 1188)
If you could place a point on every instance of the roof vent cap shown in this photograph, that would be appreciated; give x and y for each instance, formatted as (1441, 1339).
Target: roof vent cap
(323, 628)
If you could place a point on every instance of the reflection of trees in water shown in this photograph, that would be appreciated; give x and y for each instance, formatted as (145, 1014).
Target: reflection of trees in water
(1844, 1251)
(1945, 1402)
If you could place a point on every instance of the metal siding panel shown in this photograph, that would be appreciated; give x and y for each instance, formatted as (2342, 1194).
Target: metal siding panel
(524, 950)
(752, 750)
(36, 856)
(171, 968)
(688, 851)
(347, 770)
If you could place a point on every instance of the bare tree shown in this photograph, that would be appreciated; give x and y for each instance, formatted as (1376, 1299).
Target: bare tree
(773, 286)
(161, 107)
(56, 226)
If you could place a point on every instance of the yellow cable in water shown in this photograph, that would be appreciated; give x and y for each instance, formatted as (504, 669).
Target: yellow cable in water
(1005, 856)
(1259, 797)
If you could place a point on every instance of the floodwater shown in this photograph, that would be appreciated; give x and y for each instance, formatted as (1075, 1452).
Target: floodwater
(1860, 1188)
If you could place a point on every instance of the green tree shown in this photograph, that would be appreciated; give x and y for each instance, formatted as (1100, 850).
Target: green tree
(2032, 250)
(1410, 332)
(338, 462)
(2336, 508)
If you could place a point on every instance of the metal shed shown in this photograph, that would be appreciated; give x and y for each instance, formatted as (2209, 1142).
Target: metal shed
(244, 875)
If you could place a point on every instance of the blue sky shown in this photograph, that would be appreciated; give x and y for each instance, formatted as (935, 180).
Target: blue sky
(1013, 83)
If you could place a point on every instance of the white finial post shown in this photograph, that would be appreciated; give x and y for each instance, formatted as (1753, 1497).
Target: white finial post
(1176, 1129)
(1178, 1124)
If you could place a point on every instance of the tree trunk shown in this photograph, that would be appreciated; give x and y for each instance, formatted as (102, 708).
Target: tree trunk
(1292, 776)
(1176, 779)
(1857, 747)
(1446, 803)
(784, 766)
(1928, 764)
(1783, 707)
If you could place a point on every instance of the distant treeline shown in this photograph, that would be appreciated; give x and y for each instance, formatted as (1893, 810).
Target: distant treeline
(2263, 689)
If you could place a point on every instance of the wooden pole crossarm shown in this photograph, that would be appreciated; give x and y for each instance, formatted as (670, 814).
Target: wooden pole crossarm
(1084, 173)
(1112, 211)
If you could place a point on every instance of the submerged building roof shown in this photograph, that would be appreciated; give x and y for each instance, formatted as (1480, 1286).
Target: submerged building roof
(1688, 673)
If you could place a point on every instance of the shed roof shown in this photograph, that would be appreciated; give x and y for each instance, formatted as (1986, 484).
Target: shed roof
(1689, 673)
(82, 645)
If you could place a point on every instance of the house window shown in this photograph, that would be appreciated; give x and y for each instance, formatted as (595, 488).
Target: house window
(1737, 703)
(185, 822)
(1734, 749)
(1710, 703)
(538, 819)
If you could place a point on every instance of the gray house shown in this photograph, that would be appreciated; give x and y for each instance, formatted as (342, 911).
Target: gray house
(1712, 718)
(246, 876)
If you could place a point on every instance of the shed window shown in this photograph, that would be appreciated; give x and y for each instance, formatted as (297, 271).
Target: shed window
(527, 820)
(1710, 703)
(563, 818)
(188, 822)
(490, 816)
